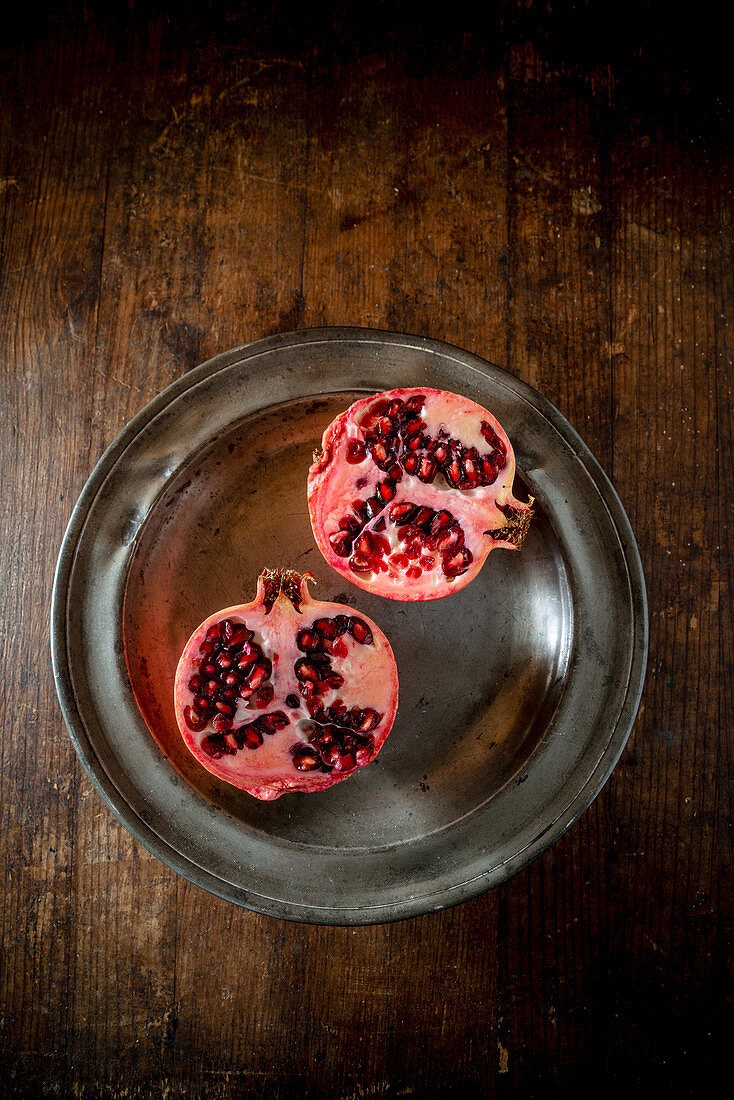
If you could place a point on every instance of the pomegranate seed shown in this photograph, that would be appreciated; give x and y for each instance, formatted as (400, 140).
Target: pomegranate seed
(264, 695)
(233, 678)
(211, 686)
(327, 627)
(226, 629)
(414, 572)
(214, 746)
(224, 660)
(359, 564)
(306, 760)
(440, 520)
(213, 631)
(341, 543)
(365, 754)
(194, 721)
(194, 684)
(360, 631)
(386, 491)
(399, 560)
(422, 516)
(427, 471)
(395, 408)
(367, 720)
(307, 640)
(355, 451)
(413, 551)
(395, 473)
(256, 677)
(413, 426)
(202, 704)
(448, 539)
(240, 634)
(253, 737)
(224, 707)
(342, 623)
(380, 524)
(416, 402)
(292, 701)
(305, 671)
(410, 463)
(336, 648)
(384, 426)
(221, 723)
(270, 723)
(456, 562)
(440, 453)
(428, 562)
(402, 513)
(335, 680)
(453, 473)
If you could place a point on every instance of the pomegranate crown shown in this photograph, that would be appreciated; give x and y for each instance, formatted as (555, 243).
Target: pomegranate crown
(293, 585)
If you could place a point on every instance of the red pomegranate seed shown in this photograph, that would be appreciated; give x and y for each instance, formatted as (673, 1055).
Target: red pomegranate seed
(253, 737)
(403, 512)
(202, 704)
(356, 451)
(360, 631)
(240, 634)
(399, 560)
(264, 695)
(193, 720)
(194, 684)
(306, 760)
(341, 543)
(256, 677)
(307, 640)
(222, 723)
(359, 564)
(428, 562)
(292, 701)
(456, 562)
(427, 471)
(414, 572)
(422, 516)
(305, 671)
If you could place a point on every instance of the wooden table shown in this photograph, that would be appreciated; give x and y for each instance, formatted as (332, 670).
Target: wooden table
(177, 183)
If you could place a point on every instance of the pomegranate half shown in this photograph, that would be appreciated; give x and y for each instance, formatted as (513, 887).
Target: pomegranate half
(285, 693)
(410, 492)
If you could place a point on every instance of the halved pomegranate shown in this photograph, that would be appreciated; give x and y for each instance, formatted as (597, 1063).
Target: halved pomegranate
(411, 491)
(285, 693)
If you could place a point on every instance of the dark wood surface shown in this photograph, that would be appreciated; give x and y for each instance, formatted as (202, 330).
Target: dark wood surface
(551, 190)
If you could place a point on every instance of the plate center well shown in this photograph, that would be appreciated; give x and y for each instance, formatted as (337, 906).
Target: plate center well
(481, 672)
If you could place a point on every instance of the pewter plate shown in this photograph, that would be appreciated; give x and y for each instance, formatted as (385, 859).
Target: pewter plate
(517, 694)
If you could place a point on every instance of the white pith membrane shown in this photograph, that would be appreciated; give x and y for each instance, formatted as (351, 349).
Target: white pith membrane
(461, 492)
(324, 699)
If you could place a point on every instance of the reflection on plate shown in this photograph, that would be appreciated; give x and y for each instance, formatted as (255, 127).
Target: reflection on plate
(517, 694)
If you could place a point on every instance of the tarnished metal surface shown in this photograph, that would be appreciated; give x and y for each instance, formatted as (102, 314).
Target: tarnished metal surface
(517, 693)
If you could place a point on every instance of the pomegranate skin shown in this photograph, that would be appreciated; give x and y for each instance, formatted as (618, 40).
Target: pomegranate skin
(412, 490)
(324, 697)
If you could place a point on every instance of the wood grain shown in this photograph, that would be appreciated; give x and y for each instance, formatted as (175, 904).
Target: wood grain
(177, 181)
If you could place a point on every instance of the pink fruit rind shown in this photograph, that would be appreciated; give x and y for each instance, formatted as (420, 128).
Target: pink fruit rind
(322, 705)
(358, 477)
